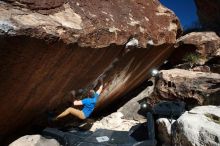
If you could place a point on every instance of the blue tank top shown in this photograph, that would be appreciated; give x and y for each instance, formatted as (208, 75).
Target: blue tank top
(89, 104)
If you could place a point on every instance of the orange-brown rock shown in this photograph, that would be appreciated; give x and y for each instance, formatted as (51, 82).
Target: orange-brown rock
(195, 88)
(49, 48)
(204, 46)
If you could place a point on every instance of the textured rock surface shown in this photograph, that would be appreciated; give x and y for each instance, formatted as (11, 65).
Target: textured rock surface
(200, 126)
(192, 87)
(205, 44)
(49, 48)
(115, 121)
(209, 13)
(34, 140)
(201, 68)
(164, 126)
(91, 23)
(132, 109)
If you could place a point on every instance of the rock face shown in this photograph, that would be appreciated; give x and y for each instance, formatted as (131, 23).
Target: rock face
(49, 48)
(192, 87)
(205, 46)
(200, 126)
(90, 23)
(209, 13)
(34, 140)
(132, 109)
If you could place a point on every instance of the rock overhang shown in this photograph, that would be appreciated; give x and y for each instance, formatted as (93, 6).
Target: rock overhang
(49, 50)
(92, 24)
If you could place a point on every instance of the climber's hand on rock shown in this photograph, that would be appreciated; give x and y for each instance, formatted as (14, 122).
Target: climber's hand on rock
(101, 81)
(73, 93)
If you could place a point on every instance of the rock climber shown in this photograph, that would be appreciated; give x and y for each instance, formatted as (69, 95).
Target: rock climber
(88, 104)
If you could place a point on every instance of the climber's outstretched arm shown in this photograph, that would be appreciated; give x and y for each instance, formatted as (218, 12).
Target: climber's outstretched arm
(100, 88)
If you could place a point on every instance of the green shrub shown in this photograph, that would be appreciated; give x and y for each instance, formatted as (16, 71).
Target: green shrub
(191, 58)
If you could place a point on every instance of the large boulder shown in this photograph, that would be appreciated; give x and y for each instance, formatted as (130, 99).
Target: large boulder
(49, 48)
(199, 127)
(34, 140)
(209, 13)
(192, 87)
(197, 48)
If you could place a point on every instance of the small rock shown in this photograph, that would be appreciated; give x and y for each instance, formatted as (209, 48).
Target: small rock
(34, 140)
(201, 68)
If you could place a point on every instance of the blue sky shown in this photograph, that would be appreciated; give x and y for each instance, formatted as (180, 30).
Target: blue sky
(184, 9)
